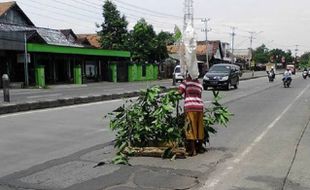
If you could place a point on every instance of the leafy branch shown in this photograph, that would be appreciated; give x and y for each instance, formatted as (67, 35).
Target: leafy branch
(153, 120)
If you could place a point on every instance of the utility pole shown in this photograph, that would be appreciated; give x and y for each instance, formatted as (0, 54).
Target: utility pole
(251, 45)
(26, 61)
(206, 30)
(251, 39)
(233, 34)
(252, 34)
(296, 53)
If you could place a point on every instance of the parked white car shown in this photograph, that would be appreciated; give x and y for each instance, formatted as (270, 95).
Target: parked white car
(177, 74)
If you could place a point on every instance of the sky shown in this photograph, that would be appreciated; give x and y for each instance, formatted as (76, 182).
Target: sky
(277, 23)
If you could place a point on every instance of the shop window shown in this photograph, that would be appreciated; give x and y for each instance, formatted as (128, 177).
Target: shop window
(91, 69)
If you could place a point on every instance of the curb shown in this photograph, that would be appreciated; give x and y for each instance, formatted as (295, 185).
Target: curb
(36, 105)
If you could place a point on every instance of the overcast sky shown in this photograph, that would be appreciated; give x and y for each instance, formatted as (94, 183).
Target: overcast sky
(280, 23)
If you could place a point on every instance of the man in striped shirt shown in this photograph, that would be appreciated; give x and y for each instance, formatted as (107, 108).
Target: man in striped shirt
(193, 108)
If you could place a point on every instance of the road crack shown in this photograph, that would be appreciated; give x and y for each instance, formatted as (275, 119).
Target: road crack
(295, 154)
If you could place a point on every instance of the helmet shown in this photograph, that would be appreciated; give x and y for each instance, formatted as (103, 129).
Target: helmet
(271, 67)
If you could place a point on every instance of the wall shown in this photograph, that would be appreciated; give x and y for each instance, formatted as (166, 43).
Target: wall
(135, 72)
(14, 17)
(12, 41)
(113, 72)
(132, 72)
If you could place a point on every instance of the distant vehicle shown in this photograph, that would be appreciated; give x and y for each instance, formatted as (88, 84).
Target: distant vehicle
(221, 75)
(270, 66)
(271, 76)
(177, 74)
(260, 67)
(292, 68)
(239, 70)
(305, 74)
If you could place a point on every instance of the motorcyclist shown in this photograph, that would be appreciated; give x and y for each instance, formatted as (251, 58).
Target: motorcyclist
(272, 72)
(287, 75)
(305, 73)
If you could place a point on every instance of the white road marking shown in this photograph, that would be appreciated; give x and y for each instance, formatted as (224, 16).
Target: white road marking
(59, 108)
(211, 185)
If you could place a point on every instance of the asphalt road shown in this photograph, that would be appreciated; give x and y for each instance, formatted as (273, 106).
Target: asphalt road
(268, 128)
(256, 151)
(66, 91)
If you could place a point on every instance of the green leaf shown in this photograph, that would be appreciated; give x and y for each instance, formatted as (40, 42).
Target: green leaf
(170, 130)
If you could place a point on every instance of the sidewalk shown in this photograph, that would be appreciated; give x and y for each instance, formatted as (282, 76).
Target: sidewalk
(66, 95)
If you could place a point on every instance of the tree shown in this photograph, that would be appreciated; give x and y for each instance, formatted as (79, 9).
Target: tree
(276, 55)
(261, 54)
(304, 60)
(162, 40)
(146, 46)
(113, 34)
(143, 42)
(289, 57)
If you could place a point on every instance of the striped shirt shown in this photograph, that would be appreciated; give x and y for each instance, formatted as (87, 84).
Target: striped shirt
(192, 90)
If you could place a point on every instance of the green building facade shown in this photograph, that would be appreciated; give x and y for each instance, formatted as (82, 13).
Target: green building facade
(115, 71)
(142, 72)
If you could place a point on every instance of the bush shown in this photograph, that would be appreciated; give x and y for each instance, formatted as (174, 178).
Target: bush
(155, 119)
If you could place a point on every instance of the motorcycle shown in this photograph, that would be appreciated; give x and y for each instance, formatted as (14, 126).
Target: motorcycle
(271, 76)
(305, 74)
(287, 82)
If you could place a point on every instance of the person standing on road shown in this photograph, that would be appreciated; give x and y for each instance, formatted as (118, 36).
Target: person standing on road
(194, 114)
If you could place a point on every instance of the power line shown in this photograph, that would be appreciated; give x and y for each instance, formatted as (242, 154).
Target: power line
(55, 18)
(126, 14)
(62, 9)
(73, 6)
(148, 10)
(63, 14)
(242, 42)
(75, 15)
(252, 37)
(87, 4)
(153, 22)
(144, 12)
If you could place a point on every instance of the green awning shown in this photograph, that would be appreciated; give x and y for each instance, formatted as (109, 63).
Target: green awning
(46, 48)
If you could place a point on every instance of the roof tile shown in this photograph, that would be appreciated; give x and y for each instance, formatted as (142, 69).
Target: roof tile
(4, 7)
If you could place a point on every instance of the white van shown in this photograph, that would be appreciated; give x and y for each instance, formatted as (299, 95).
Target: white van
(177, 74)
